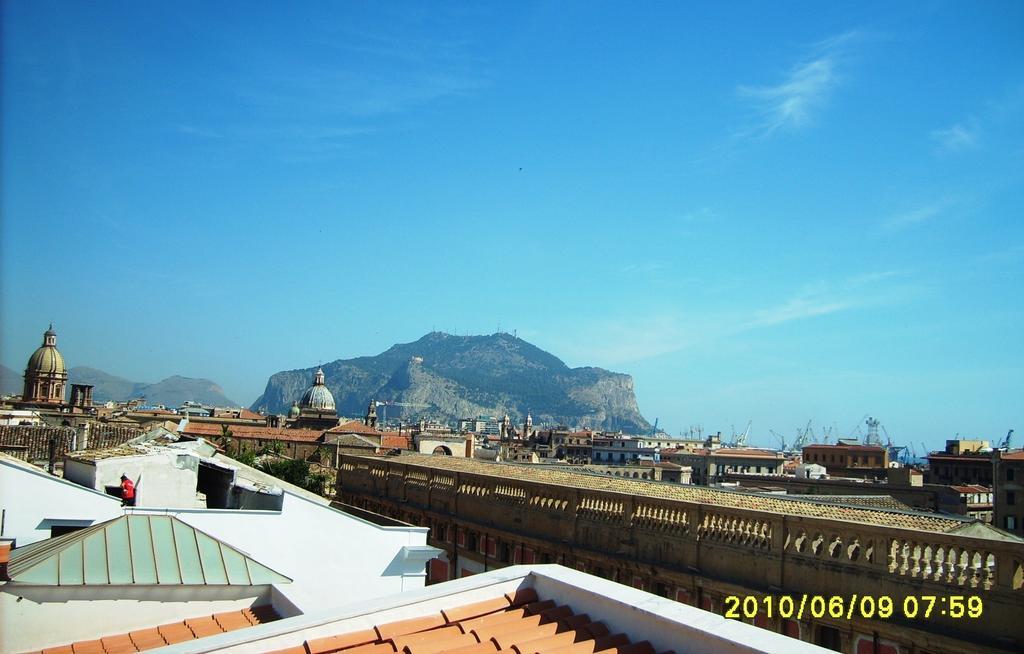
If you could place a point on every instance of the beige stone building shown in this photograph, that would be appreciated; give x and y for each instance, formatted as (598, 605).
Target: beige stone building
(701, 546)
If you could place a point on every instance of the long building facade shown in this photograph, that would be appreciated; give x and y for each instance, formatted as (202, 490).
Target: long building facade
(702, 546)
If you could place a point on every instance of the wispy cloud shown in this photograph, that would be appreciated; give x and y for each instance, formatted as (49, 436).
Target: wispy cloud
(959, 137)
(1010, 255)
(805, 89)
(359, 82)
(620, 340)
(917, 216)
(825, 297)
(798, 308)
(865, 279)
(983, 126)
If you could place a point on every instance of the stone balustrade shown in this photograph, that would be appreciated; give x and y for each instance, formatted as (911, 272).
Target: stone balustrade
(746, 541)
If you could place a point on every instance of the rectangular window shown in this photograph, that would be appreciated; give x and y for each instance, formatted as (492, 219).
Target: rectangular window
(1011, 498)
(1011, 523)
(1009, 474)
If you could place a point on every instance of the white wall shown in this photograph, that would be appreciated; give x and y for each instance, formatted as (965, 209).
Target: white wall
(33, 501)
(166, 478)
(664, 622)
(457, 446)
(35, 617)
(333, 558)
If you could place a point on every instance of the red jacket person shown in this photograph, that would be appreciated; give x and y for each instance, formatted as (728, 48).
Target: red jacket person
(127, 491)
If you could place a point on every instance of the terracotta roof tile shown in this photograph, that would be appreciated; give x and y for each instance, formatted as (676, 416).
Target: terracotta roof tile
(260, 614)
(298, 649)
(429, 636)
(491, 631)
(251, 432)
(522, 633)
(584, 647)
(493, 619)
(335, 643)
(545, 643)
(176, 633)
(597, 630)
(375, 648)
(480, 648)
(492, 626)
(88, 647)
(394, 440)
(434, 641)
(539, 607)
(475, 610)
(172, 633)
(232, 620)
(635, 648)
(610, 643)
(410, 626)
(354, 427)
(121, 644)
(443, 646)
(521, 596)
(205, 626)
(147, 639)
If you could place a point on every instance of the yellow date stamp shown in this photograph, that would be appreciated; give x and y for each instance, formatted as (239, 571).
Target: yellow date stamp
(883, 607)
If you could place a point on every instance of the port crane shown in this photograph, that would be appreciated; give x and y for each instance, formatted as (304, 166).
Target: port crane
(740, 440)
(828, 435)
(779, 437)
(1005, 445)
(802, 438)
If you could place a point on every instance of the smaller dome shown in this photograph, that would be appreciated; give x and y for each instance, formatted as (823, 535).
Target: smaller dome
(47, 359)
(317, 397)
(294, 411)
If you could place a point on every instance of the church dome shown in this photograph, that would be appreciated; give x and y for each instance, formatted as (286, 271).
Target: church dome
(294, 411)
(47, 360)
(317, 397)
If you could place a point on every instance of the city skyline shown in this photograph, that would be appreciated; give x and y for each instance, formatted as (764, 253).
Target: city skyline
(813, 214)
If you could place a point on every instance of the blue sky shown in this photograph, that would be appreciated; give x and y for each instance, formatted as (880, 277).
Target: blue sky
(807, 213)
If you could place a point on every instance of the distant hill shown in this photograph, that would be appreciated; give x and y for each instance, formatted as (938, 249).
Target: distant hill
(171, 392)
(11, 381)
(464, 376)
(107, 387)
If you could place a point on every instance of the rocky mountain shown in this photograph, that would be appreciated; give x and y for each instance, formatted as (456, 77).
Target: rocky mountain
(450, 377)
(171, 392)
(11, 381)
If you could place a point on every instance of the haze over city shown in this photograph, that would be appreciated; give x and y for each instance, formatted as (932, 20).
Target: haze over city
(807, 215)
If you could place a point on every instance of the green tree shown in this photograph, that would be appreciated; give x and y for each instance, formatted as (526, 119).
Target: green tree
(224, 440)
(247, 457)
